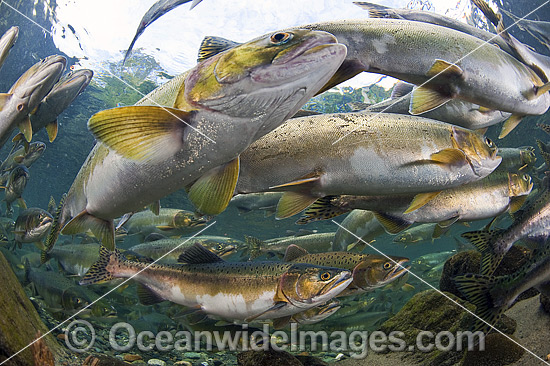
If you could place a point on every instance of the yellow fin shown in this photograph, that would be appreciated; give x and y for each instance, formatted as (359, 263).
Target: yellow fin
(517, 202)
(25, 127)
(420, 200)
(509, 125)
(392, 225)
(211, 193)
(483, 109)
(292, 203)
(51, 130)
(310, 178)
(141, 132)
(104, 230)
(542, 89)
(164, 227)
(441, 68)
(449, 156)
(424, 100)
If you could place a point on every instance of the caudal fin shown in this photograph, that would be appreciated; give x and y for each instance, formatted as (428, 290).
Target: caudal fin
(54, 231)
(476, 289)
(482, 240)
(98, 272)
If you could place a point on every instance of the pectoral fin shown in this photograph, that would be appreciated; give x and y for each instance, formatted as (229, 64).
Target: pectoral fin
(51, 130)
(104, 230)
(449, 157)
(25, 127)
(294, 252)
(301, 183)
(425, 99)
(211, 193)
(292, 203)
(281, 323)
(517, 202)
(509, 125)
(420, 200)
(146, 296)
(141, 132)
(278, 306)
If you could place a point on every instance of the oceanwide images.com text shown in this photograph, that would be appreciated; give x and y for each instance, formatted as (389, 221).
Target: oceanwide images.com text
(81, 336)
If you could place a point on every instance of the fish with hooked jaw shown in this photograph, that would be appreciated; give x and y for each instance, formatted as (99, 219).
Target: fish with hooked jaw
(209, 116)
(229, 290)
(369, 271)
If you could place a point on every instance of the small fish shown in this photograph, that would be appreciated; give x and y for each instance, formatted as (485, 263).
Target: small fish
(263, 201)
(166, 248)
(489, 197)
(416, 234)
(234, 291)
(158, 9)
(517, 158)
(24, 155)
(63, 93)
(456, 111)
(167, 221)
(363, 224)
(65, 296)
(32, 225)
(25, 95)
(6, 43)
(369, 271)
(15, 186)
(531, 223)
(435, 156)
(428, 261)
(537, 28)
(493, 295)
(319, 242)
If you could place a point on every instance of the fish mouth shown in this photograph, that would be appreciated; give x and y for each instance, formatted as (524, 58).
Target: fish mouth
(79, 79)
(309, 45)
(397, 271)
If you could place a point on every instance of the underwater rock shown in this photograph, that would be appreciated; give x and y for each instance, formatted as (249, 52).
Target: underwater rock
(267, 358)
(545, 303)
(468, 262)
(19, 328)
(431, 311)
(499, 350)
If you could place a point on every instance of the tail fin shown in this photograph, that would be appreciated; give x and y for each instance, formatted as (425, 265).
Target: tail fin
(98, 271)
(55, 229)
(476, 289)
(44, 257)
(482, 241)
(322, 209)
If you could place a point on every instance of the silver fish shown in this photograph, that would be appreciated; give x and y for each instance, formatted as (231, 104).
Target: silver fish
(6, 43)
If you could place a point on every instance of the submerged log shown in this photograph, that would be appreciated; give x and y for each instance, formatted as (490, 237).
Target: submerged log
(20, 323)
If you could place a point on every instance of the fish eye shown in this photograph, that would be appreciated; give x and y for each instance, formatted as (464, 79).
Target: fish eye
(387, 265)
(280, 38)
(325, 276)
(525, 177)
(220, 247)
(489, 142)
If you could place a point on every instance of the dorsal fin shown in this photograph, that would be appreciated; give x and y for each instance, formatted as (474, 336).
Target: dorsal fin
(293, 252)
(197, 254)
(212, 45)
